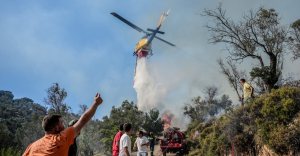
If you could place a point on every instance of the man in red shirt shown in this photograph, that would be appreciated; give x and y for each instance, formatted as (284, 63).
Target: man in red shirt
(116, 143)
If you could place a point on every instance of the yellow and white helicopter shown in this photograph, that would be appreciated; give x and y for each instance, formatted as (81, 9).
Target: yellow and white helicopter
(143, 47)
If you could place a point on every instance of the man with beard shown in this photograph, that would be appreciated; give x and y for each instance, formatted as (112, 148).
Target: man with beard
(57, 140)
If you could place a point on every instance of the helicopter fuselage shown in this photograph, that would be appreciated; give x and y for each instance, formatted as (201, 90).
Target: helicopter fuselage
(142, 48)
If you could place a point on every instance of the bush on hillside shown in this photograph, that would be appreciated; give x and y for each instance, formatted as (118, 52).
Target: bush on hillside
(272, 120)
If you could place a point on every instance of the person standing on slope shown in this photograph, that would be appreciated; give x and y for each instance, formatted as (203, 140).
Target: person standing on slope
(248, 91)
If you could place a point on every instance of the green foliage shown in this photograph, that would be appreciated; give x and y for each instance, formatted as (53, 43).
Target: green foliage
(14, 115)
(199, 108)
(210, 140)
(152, 122)
(4, 136)
(109, 135)
(127, 113)
(21, 122)
(277, 113)
(9, 152)
(272, 120)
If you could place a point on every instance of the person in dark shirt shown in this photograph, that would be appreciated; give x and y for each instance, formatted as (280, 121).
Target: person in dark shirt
(151, 139)
(73, 147)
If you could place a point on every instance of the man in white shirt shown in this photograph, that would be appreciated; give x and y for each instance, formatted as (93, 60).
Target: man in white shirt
(141, 142)
(125, 142)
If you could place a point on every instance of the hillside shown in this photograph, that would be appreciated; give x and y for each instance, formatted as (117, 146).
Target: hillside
(270, 125)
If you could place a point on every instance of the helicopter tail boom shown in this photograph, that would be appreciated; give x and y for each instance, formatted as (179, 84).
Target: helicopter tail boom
(156, 30)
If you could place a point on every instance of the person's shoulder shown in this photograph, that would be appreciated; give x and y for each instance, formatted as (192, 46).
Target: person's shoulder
(123, 136)
(247, 84)
(32, 146)
(69, 129)
(67, 132)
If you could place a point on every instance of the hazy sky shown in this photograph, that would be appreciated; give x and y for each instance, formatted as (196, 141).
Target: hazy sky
(80, 45)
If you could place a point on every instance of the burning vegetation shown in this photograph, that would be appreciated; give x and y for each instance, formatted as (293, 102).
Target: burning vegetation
(167, 117)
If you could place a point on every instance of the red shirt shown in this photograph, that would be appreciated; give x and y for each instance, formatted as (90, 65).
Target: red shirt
(116, 149)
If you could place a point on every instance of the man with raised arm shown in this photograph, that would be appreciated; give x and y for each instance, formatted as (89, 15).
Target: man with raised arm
(57, 140)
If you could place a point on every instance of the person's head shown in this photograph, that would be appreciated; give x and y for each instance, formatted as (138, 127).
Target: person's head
(141, 134)
(151, 133)
(53, 124)
(242, 81)
(121, 129)
(72, 123)
(127, 128)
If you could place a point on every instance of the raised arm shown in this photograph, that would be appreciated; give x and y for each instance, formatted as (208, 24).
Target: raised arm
(86, 116)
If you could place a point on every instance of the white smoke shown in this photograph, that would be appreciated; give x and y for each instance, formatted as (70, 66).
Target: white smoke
(150, 91)
(154, 85)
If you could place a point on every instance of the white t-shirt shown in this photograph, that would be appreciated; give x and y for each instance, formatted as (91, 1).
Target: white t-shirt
(125, 142)
(139, 141)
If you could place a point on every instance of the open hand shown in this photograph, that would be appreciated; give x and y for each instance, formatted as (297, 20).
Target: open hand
(97, 99)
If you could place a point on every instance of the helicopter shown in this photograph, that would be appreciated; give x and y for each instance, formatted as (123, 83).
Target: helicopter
(144, 46)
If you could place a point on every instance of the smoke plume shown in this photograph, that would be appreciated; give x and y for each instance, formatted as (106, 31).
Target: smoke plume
(154, 87)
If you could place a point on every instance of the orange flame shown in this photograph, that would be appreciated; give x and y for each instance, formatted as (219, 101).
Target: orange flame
(167, 117)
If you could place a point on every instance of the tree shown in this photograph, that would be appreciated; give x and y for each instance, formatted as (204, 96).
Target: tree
(127, 113)
(55, 98)
(257, 33)
(294, 39)
(108, 127)
(198, 110)
(152, 122)
(4, 137)
(233, 75)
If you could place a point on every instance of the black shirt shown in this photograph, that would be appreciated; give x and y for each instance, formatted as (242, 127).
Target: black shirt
(73, 149)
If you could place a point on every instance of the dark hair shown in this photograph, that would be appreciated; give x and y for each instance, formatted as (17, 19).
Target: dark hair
(50, 121)
(121, 127)
(243, 80)
(141, 132)
(127, 127)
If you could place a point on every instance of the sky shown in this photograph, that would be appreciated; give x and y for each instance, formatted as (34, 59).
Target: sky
(80, 45)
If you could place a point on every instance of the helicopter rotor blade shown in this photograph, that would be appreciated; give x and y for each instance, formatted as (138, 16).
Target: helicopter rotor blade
(165, 41)
(128, 23)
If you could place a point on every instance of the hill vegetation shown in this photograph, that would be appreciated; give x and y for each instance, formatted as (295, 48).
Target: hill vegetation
(21, 122)
(269, 124)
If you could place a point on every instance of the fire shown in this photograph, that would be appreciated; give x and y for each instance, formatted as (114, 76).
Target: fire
(167, 117)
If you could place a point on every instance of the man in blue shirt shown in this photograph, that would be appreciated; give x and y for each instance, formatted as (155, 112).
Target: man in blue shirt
(151, 139)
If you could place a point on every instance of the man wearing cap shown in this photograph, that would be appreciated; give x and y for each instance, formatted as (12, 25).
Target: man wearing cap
(73, 147)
